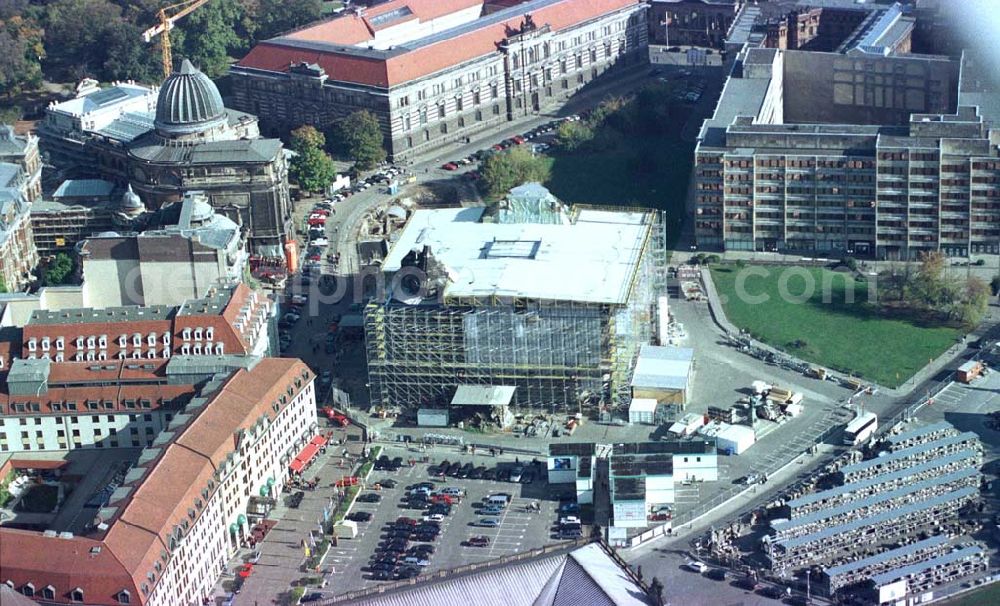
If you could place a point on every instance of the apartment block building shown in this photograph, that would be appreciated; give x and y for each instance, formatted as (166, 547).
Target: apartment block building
(167, 532)
(878, 159)
(437, 71)
(22, 150)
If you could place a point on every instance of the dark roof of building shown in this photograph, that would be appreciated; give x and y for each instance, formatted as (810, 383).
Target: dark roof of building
(188, 99)
(241, 151)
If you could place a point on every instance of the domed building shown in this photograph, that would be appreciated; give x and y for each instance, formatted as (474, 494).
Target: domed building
(185, 139)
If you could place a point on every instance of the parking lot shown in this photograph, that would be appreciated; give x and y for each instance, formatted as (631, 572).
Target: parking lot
(518, 530)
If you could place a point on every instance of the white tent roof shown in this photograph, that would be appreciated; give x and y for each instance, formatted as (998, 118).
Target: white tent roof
(642, 405)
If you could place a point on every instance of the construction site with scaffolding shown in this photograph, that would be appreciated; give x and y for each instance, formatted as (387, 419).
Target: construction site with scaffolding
(551, 301)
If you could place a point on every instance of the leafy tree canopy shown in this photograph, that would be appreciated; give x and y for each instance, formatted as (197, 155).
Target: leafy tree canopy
(506, 170)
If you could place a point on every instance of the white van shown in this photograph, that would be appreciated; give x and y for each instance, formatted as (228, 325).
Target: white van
(500, 500)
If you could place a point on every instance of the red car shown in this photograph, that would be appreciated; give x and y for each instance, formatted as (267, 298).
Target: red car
(518, 139)
(317, 221)
(498, 147)
(335, 417)
(449, 166)
(443, 498)
(480, 541)
(321, 211)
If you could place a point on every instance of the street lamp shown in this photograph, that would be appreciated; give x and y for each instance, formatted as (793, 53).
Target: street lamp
(808, 592)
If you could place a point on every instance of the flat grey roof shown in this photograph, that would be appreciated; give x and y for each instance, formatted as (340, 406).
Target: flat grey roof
(883, 478)
(662, 367)
(898, 512)
(894, 575)
(740, 97)
(588, 261)
(110, 314)
(909, 452)
(885, 556)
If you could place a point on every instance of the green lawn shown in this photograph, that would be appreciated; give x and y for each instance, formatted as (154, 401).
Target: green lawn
(850, 337)
(613, 177)
(988, 595)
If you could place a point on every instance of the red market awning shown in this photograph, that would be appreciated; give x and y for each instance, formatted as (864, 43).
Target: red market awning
(319, 441)
(296, 466)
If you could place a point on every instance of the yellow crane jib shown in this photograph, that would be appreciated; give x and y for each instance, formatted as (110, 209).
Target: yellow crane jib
(167, 18)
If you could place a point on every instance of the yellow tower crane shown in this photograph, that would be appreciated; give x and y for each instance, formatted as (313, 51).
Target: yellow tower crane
(167, 17)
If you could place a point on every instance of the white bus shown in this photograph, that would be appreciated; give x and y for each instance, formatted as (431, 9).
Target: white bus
(860, 430)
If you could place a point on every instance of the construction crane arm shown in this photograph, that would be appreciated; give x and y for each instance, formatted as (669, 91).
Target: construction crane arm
(167, 20)
(165, 25)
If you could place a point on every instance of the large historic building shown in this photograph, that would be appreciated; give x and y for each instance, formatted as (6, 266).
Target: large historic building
(435, 71)
(180, 137)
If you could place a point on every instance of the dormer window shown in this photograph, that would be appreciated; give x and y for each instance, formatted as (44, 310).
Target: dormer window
(102, 355)
(151, 339)
(186, 334)
(60, 343)
(136, 355)
(76, 595)
(219, 349)
(102, 341)
(78, 356)
(45, 342)
(124, 597)
(59, 356)
(122, 340)
(209, 333)
(137, 340)
(91, 342)
(151, 354)
(185, 349)
(166, 338)
(28, 590)
(197, 349)
(32, 344)
(90, 356)
(121, 355)
(49, 592)
(166, 353)
(197, 334)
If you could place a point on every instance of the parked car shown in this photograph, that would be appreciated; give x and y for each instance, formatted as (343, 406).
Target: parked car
(528, 477)
(516, 473)
(416, 561)
(696, 566)
(449, 166)
(407, 572)
(753, 479)
(382, 575)
(370, 497)
(452, 491)
(360, 516)
(479, 541)
(466, 470)
(387, 483)
(454, 469)
(434, 517)
(488, 522)
(477, 473)
(311, 597)
(296, 499)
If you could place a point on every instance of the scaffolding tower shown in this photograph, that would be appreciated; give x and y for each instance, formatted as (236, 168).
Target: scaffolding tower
(562, 355)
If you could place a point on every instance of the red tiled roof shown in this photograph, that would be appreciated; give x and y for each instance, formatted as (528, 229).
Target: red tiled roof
(351, 29)
(277, 56)
(161, 500)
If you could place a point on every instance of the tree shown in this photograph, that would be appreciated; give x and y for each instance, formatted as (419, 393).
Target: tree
(60, 271)
(974, 303)
(656, 591)
(359, 137)
(214, 32)
(277, 16)
(3, 285)
(311, 167)
(75, 36)
(506, 170)
(21, 51)
(127, 57)
(573, 135)
(995, 285)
